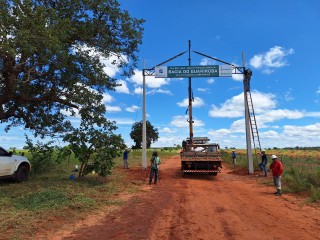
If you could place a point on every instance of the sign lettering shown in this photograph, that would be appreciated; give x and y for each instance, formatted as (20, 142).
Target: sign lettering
(193, 71)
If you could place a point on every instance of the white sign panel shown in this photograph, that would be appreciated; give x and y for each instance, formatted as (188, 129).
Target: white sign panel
(225, 71)
(161, 72)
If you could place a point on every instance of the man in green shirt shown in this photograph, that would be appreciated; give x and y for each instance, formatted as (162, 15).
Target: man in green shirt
(154, 169)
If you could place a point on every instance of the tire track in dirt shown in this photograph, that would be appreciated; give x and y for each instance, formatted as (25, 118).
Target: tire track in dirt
(204, 207)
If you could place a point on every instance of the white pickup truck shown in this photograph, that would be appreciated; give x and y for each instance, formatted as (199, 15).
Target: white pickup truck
(14, 166)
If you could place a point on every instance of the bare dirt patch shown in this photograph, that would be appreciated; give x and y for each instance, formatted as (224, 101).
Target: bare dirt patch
(232, 205)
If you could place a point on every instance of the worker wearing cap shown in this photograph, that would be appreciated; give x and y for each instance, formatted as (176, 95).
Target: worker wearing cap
(277, 170)
(154, 169)
(234, 157)
(125, 159)
(263, 163)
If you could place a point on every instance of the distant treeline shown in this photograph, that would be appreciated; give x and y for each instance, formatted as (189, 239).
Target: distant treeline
(287, 148)
(301, 148)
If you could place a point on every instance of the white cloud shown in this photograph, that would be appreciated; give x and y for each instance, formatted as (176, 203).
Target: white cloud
(198, 102)
(107, 98)
(312, 114)
(210, 81)
(278, 114)
(274, 58)
(122, 121)
(225, 137)
(161, 91)
(181, 122)
(288, 95)
(288, 138)
(133, 108)
(110, 64)
(150, 81)
(110, 68)
(219, 133)
(207, 61)
(165, 141)
(266, 114)
(138, 90)
(167, 130)
(237, 77)
(308, 131)
(113, 108)
(269, 116)
(203, 89)
(123, 88)
(238, 126)
(318, 91)
(269, 134)
(234, 107)
(272, 138)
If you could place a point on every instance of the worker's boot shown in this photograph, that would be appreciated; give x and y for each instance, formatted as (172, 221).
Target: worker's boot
(279, 193)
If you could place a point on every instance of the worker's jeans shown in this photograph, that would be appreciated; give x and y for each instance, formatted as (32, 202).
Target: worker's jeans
(277, 182)
(153, 172)
(125, 163)
(263, 167)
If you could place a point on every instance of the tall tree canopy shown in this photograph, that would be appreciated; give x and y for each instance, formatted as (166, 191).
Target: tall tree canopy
(50, 53)
(136, 134)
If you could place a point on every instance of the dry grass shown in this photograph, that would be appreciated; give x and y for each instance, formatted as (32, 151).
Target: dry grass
(50, 199)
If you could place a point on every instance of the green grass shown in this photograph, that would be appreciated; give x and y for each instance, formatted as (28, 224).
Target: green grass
(50, 198)
(241, 159)
(301, 173)
(43, 200)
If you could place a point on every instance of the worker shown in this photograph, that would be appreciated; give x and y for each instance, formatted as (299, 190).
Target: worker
(277, 170)
(154, 168)
(234, 157)
(263, 163)
(125, 159)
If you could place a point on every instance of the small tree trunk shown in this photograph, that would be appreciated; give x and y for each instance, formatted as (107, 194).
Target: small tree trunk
(81, 169)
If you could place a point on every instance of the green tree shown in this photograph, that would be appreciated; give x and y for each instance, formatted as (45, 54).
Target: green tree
(136, 134)
(50, 59)
(42, 155)
(64, 153)
(95, 145)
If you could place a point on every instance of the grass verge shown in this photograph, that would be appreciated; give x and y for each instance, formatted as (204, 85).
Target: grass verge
(49, 200)
(301, 174)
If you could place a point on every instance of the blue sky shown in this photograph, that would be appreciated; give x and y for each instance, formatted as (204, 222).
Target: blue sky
(280, 41)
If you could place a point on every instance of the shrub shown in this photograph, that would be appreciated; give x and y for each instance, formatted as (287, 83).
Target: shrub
(41, 155)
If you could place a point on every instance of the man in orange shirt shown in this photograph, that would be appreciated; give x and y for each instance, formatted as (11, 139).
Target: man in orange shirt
(277, 170)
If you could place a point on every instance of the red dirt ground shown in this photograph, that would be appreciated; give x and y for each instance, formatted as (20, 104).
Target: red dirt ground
(232, 205)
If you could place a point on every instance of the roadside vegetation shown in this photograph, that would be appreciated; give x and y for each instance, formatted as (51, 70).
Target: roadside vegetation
(49, 197)
(302, 168)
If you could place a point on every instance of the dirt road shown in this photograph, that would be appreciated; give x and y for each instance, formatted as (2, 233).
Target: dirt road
(228, 206)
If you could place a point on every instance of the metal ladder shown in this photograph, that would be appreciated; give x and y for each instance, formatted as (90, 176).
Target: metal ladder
(253, 124)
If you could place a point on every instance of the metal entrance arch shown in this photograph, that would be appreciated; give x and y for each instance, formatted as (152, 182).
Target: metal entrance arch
(247, 73)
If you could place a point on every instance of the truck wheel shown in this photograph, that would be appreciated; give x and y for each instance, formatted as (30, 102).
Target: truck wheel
(21, 174)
